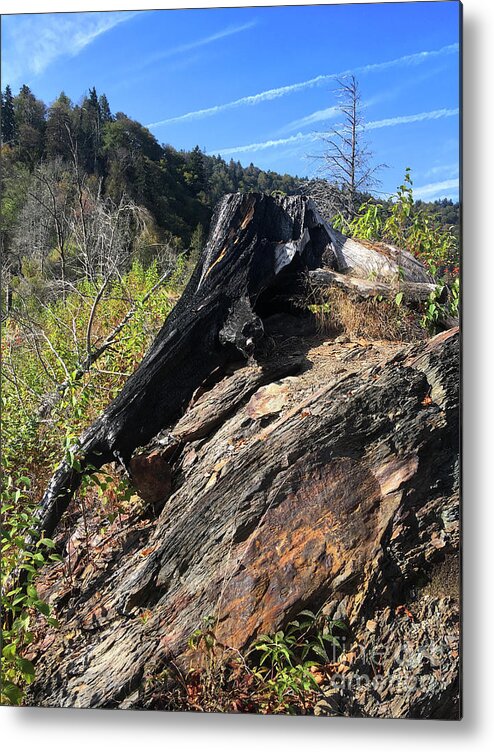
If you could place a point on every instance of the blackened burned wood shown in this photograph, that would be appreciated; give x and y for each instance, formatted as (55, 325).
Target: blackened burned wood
(256, 242)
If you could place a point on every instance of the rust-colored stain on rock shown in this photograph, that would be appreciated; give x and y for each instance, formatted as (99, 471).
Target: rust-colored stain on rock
(301, 545)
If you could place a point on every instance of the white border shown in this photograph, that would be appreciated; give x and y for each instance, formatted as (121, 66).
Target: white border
(37, 730)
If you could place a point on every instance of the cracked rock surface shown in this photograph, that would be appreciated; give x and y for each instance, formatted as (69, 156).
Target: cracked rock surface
(324, 476)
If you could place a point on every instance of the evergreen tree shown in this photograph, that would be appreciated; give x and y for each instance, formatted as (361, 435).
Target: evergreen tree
(92, 100)
(196, 170)
(30, 126)
(29, 110)
(91, 132)
(104, 108)
(59, 128)
(8, 116)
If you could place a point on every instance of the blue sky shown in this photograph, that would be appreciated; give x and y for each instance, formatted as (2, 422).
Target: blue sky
(257, 84)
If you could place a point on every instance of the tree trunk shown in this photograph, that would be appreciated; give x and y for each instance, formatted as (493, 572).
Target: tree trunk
(256, 242)
(362, 289)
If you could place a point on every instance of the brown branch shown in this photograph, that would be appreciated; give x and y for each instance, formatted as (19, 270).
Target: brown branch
(93, 354)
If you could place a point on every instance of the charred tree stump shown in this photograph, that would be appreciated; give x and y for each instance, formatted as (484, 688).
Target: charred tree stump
(257, 248)
(255, 242)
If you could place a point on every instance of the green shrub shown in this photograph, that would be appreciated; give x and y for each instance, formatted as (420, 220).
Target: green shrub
(403, 224)
(20, 600)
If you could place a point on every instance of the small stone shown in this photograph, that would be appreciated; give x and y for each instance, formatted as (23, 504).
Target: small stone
(371, 626)
(437, 540)
(329, 705)
(268, 400)
(151, 476)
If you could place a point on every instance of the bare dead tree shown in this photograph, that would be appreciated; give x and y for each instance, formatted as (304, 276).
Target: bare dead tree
(104, 234)
(52, 191)
(346, 164)
(68, 232)
(327, 196)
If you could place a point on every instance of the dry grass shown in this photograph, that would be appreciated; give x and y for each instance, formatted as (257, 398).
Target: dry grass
(337, 313)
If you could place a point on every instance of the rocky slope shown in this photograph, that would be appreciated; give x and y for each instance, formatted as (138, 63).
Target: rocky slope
(321, 473)
(333, 485)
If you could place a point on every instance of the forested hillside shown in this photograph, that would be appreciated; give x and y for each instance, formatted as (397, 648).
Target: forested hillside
(118, 157)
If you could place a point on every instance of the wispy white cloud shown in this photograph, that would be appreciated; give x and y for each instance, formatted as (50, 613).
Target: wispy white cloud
(254, 99)
(450, 170)
(304, 137)
(403, 119)
(32, 43)
(262, 145)
(443, 189)
(264, 96)
(188, 46)
(329, 113)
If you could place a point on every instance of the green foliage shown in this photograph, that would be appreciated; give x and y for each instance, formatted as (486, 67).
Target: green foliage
(367, 224)
(277, 674)
(29, 373)
(8, 116)
(435, 310)
(408, 225)
(178, 188)
(33, 367)
(20, 602)
(283, 661)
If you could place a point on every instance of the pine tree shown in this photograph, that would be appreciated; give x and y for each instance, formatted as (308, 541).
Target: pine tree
(92, 101)
(30, 126)
(196, 168)
(59, 128)
(29, 110)
(104, 108)
(90, 132)
(8, 116)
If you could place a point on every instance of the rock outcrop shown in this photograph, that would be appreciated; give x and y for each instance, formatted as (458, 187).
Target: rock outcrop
(322, 474)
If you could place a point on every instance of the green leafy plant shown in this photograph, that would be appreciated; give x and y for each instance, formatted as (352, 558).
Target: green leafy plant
(435, 310)
(20, 602)
(402, 223)
(283, 661)
(276, 674)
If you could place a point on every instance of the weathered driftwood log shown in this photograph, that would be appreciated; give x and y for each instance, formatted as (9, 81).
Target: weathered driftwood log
(331, 488)
(362, 289)
(379, 261)
(257, 248)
